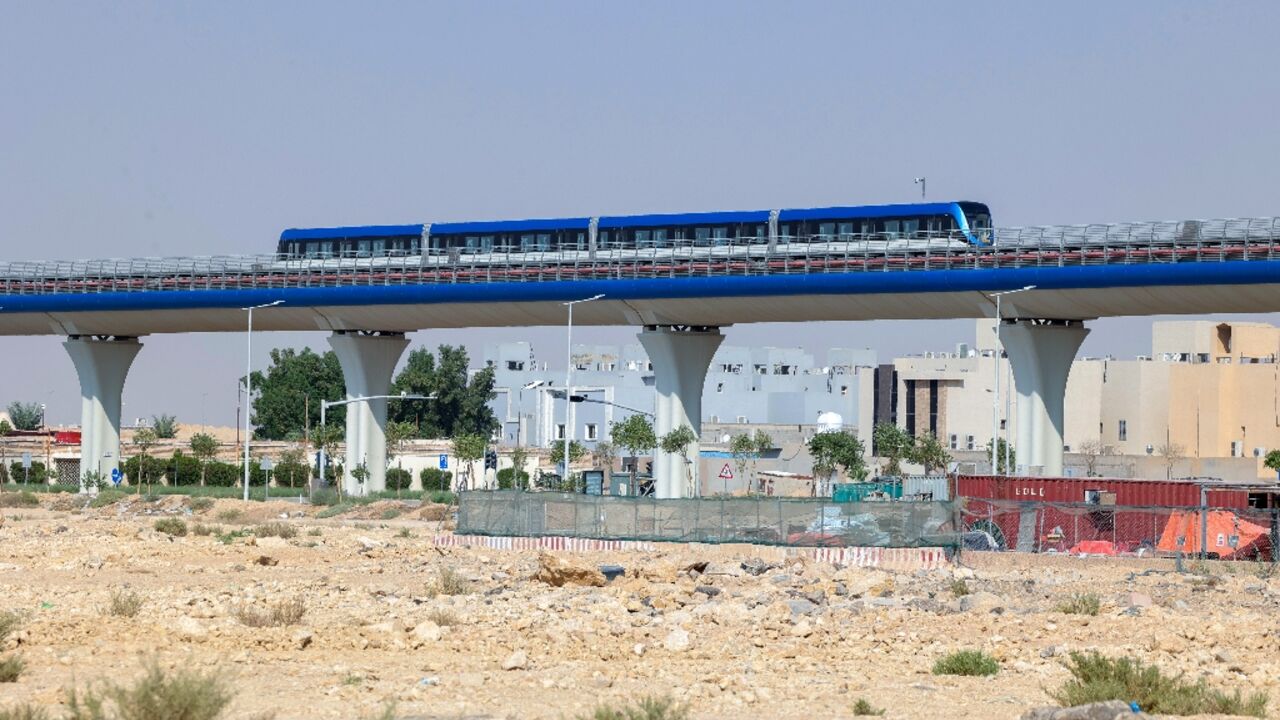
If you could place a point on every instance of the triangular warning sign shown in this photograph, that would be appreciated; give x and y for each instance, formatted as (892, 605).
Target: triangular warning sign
(726, 473)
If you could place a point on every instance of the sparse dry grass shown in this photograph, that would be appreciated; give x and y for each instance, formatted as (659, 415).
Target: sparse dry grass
(171, 526)
(449, 582)
(648, 708)
(1080, 604)
(124, 604)
(443, 617)
(204, 530)
(9, 621)
(19, 499)
(287, 612)
(11, 668)
(864, 708)
(230, 515)
(158, 695)
(275, 529)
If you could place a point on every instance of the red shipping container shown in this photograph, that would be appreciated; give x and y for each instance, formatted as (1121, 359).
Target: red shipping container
(1128, 491)
(67, 437)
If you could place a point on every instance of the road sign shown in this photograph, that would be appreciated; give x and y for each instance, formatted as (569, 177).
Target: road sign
(116, 475)
(26, 461)
(266, 463)
(726, 473)
(444, 462)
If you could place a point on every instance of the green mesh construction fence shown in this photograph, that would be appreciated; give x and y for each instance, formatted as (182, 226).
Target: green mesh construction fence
(771, 521)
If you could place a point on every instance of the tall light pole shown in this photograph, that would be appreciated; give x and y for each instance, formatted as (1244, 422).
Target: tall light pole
(248, 386)
(326, 404)
(995, 397)
(568, 380)
(922, 182)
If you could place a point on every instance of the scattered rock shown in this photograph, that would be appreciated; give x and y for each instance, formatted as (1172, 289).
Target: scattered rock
(267, 560)
(426, 632)
(366, 544)
(517, 660)
(191, 629)
(557, 572)
(677, 640)
(801, 606)
(1139, 600)
(302, 638)
(757, 567)
(708, 590)
(725, 569)
(982, 602)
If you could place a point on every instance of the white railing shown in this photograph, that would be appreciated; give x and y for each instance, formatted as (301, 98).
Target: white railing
(1126, 243)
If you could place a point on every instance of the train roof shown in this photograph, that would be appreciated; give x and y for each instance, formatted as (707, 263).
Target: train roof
(621, 221)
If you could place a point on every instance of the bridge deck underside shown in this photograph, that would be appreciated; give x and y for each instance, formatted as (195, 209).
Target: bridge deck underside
(168, 313)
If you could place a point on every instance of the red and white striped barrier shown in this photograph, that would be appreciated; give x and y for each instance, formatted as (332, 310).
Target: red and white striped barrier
(928, 558)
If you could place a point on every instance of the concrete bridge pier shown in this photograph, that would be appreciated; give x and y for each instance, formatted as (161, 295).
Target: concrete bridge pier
(1040, 354)
(680, 357)
(102, 363)
(368, 358)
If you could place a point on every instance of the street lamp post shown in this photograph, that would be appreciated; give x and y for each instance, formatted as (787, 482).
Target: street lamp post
(995, 398)
(326, 404)
(568, 379)
(248, 387)
(922, 182)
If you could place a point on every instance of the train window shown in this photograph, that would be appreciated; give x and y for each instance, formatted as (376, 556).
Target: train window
(784, 229)
(526, 243)
(413, 246)
(362, 247)
(720, 235)
(660, 237)
(486, 243)
(826, 228)
(892, 226)
(602, 239)
(846, 228)
(911, 226)
(544, 241)
(378, 246)
(643, 239)
(702, 235)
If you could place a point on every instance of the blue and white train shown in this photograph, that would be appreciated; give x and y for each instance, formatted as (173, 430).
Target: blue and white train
(904, 227)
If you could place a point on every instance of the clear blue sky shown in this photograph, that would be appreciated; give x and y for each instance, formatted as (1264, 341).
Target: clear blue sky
(200, 128)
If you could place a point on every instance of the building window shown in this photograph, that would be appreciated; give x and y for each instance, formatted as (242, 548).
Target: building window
(560, 431)
(719, 387)
(591, 433)
(742, 419)
(968, 442)
(844, 389)
(1123, 432)
(954, 442)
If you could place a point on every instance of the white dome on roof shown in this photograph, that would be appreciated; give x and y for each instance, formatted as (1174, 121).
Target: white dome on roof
(830, 422)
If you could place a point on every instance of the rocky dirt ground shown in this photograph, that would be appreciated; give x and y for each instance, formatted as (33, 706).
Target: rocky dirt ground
(732, 632)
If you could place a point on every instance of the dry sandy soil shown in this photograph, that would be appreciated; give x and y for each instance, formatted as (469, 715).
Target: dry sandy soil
(801, 640)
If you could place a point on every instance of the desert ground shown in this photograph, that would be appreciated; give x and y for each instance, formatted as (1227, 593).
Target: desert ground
(379, 616)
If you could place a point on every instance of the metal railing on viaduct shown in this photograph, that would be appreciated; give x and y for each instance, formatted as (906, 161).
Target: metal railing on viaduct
(1188, 241)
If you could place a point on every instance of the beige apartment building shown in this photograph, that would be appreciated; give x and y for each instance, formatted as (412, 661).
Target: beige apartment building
(1206, 402)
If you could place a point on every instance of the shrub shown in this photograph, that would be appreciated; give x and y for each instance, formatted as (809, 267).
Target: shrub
(968, 663)
(649, 708)
(182, 469)
(315, 532)
(435, 479)
(288, 612)
(1080, 604)
(863, 708)
(443, 617)
(124, 604)
(507, 479)
(324, 497)
(19, 499)
(399, 479)
(959, 588)
(204, 530)
(275, 529)
(171, 526)
(200, 504)
(154, 468)
(107, 497)
(390, 514)
(291, 474)
(333, 510)
(11, 668)
(230, 515)
(220, 474)
(38, 473)
(404, 533)
(1097, 679)
(181, 695)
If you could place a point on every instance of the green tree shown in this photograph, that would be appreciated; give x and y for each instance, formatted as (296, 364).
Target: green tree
(1272, 461)
(144, 439)
(929, 452)
(576, 452)
(25, 416)
(5, 428)
(677, 442)
(165, 426)
(468, 449)
(635, 435)
(280, 403)
(326, 439)
(604, 454)
(519, 458)
(1001, 454)
(838, 449)
(461, 404)
(204, 447)
(893, 444)
(398, 433)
